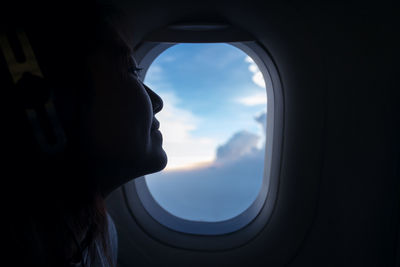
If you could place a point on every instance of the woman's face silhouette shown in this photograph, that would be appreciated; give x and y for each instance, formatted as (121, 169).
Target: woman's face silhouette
(123, 136)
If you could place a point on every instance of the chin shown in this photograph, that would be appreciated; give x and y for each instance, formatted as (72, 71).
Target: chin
(156, 158)
(157, 162)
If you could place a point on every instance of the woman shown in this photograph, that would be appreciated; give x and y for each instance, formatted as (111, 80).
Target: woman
(57, 213)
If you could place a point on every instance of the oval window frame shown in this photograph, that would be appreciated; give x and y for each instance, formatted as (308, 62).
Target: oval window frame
(175, 231)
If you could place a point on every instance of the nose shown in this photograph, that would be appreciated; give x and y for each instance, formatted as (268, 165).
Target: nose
(156, 100)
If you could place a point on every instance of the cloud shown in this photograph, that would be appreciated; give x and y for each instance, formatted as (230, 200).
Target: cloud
(243, 143)
(253, 100)
(240, 144)
(176, 126)
(262, 120)
(257, 98)
(257, 78)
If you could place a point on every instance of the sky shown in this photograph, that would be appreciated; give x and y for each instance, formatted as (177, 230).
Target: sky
(213, 126)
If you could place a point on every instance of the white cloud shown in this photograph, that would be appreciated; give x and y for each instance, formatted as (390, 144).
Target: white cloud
(240, 144)
(243, 142)
(257, 78)
(176, 125)
(262, 120)
(253, 100)
(257, 98)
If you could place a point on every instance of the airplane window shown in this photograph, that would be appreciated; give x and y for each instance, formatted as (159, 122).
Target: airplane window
(214, 131)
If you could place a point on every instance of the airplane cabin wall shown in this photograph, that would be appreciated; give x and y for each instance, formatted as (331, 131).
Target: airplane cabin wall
(340, 146)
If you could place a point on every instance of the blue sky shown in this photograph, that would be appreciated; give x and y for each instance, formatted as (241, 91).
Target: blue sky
(212, 123)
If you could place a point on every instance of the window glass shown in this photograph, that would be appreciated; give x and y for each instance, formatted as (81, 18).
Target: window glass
(213, 125)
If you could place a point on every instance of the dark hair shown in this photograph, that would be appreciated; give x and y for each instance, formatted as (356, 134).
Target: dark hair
(55, 201)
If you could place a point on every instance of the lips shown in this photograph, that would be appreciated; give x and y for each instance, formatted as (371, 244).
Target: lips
(155, 125)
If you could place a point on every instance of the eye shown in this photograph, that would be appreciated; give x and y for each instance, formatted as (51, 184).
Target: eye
(134, 70)
(132, 67)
